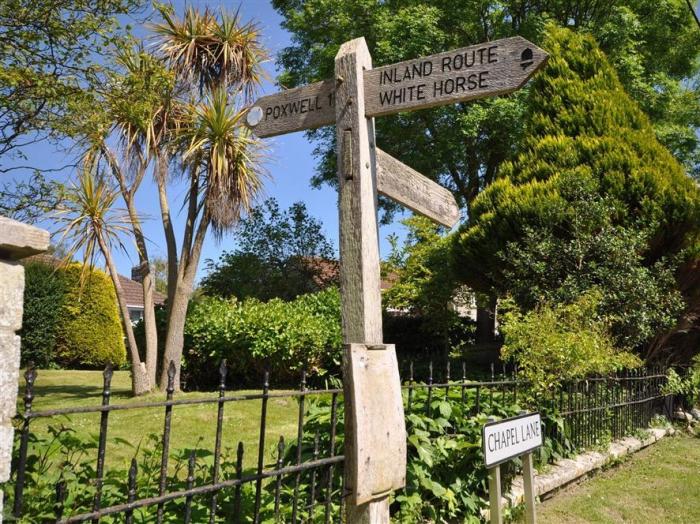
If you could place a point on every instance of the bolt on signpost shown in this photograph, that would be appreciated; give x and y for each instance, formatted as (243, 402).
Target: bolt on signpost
(375, 443)
(503, 440)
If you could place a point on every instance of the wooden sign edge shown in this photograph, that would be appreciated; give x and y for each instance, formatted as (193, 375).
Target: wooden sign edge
(269, 132)
(382, 158)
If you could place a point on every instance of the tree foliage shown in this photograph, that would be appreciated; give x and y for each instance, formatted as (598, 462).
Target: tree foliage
(422, 281)
(90, 332)
(280, 254)
(29, 201)
(592, 199)
(47, 58)
(560, 342)
(638, 300)
(653, 44)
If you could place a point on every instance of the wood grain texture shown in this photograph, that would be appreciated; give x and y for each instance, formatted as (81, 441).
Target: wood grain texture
(408, 187)
(478, 71)
(495, 509)
(372, 407)
(18, 240)
(380, 442)
(306, 107)
(359, 240)
(529, 488)
(500, 64)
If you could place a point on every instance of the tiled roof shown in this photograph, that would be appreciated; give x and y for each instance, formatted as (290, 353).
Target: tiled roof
(328, 271)
(133, 293)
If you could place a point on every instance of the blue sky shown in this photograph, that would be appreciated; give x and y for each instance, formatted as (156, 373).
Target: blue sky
(290, 163)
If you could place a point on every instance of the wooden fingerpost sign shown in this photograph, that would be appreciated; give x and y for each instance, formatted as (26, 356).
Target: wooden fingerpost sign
(375, 434)
(504, 440)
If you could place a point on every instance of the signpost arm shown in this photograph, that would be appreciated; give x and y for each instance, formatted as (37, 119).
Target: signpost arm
(359, 249)
(495, 495)
(529, 485)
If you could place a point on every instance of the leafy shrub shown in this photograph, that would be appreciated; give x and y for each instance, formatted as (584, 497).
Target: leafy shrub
(62, 455)
(551, 344)
(446, 479)
(281, 337)
(44, 290)
(685, 386)
(90, 330)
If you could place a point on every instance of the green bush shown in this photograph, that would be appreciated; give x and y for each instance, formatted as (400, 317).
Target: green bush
(90, 330)
(446, 478)
(592, 198)
(44, 290)
(551, 344)
(281, 337)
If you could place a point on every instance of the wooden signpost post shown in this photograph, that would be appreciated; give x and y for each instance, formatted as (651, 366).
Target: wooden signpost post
(503, 440)
(375, 435)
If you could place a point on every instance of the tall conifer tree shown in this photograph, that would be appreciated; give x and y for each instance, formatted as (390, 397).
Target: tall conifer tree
(584, 131)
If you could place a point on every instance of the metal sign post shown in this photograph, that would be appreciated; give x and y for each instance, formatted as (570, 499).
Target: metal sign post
(375, 434)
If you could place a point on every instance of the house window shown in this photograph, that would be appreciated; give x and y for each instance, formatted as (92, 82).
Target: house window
(135, 315)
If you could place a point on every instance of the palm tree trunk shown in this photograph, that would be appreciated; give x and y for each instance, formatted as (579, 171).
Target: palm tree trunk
(149, 324)
(147, 285)
(139, 375)
(175, 336)
(171, 243)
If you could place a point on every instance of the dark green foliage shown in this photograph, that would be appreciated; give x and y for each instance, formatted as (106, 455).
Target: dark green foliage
(593, 200)
(424, 287)
(44, 291)
(281, 337)
(653, 44)
(637, 300)
(281, 254)
(90, 330)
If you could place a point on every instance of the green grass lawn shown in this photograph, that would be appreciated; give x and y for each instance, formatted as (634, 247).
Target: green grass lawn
(660, 484)
(192, 426)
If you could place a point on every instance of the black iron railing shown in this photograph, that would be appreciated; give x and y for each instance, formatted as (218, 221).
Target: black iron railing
(303, 481)
(319, 468)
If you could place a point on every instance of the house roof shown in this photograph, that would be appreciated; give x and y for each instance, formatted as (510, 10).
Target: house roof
(328, 271)
(133, 292)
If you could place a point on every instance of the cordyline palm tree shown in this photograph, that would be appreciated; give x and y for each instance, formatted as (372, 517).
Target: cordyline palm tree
(92, 226)
(220, 159)
(215, 60)
(138, 102)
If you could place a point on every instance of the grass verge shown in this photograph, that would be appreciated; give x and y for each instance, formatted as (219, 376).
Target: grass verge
(192, 426)
(658, 484)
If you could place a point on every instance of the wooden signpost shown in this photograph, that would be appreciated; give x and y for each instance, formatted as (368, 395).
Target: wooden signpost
(375, 434)
(503, 440)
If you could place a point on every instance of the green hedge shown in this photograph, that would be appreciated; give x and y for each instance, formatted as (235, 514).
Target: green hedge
(278, 336)
(90, 331)
(44, 291)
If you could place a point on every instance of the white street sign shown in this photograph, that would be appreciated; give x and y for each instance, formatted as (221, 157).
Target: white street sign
(509, 438)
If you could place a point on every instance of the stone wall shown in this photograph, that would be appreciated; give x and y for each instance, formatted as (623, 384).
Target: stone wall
(16, 242)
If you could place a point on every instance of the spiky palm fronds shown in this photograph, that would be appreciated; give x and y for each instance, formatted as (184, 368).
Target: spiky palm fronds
(212, 51)
(140, 103)
(218, 148)
(89, 221)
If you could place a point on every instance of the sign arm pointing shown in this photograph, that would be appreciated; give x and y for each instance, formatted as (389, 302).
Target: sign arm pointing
(407, 186)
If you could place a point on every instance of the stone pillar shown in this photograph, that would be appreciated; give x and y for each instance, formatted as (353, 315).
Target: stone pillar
(17, 241)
